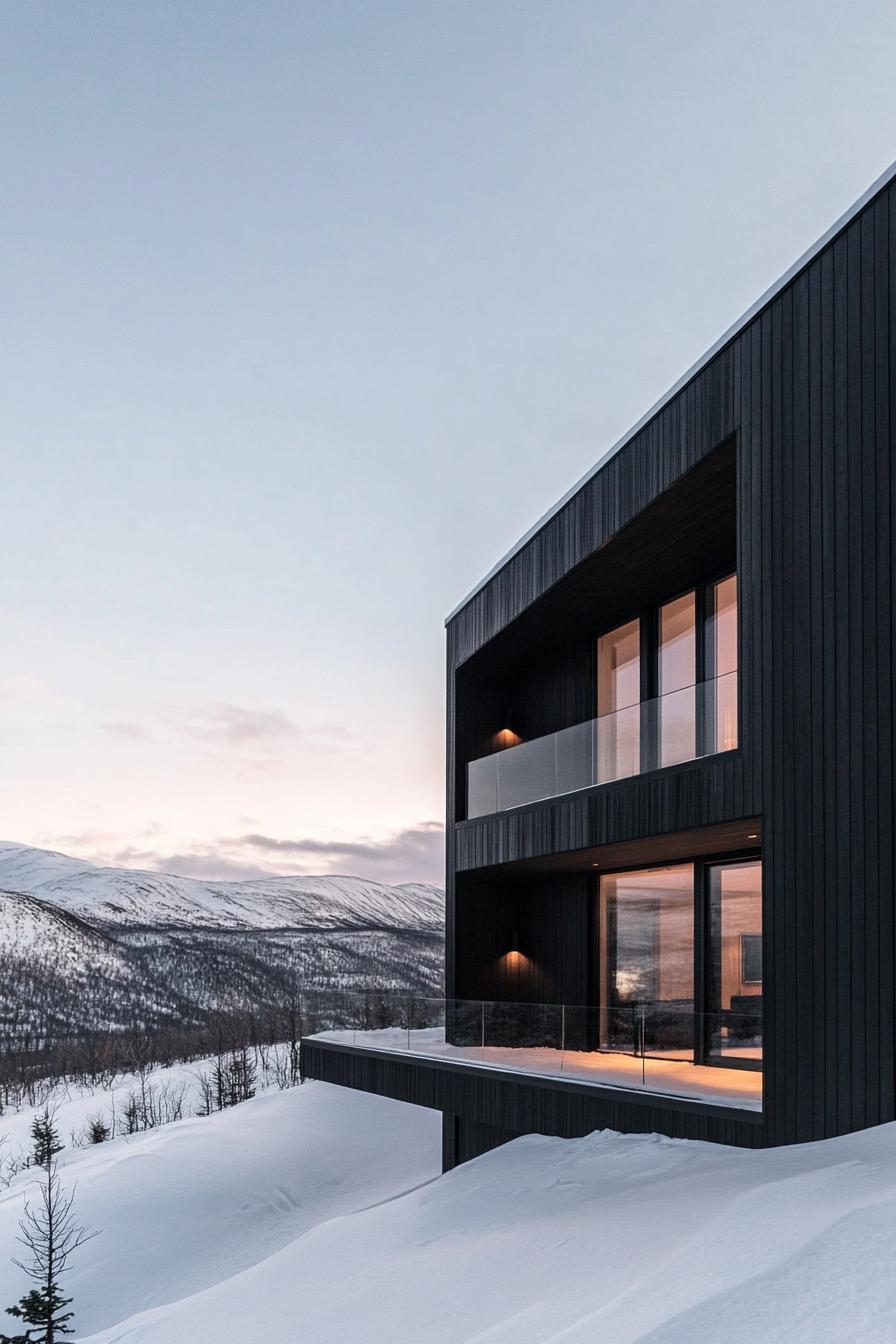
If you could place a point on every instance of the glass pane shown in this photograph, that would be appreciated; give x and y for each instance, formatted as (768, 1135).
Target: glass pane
(619, 744)
(677, 668)
(618, 698)
(735, 961)
(527, 772)
(575, 758)
(721, 657)
(646, 930)
(482, 786)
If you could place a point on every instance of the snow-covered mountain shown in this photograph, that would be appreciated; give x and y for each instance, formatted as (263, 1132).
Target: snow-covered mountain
(84, 948)
(61, 975)
(28, 925)
(134, 898)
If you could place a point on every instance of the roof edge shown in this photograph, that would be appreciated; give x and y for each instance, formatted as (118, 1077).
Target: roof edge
(885, 178)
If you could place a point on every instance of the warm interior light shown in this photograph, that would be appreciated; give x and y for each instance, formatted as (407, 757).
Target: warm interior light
(754, 836)
(506, 737)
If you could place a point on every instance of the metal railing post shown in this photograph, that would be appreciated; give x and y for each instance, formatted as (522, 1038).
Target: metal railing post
(562, 1033)
(643, 1046)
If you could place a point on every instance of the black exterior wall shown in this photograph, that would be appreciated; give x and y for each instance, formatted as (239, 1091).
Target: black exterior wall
(807, 394)
(776, 459)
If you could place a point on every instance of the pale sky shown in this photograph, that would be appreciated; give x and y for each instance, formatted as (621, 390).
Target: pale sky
(309, 310)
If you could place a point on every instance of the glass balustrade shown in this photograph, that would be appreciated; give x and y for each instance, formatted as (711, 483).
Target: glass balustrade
(683, 725)
(661, 1046)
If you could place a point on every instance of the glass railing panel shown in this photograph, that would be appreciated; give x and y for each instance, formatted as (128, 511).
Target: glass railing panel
(735, 1033)
(681, 726)
(482, 786)
(723, 693)
(662, 1046)
(618, 745)
(575, 757)
(677, 726)
(464, 1022)
(527, 772)
(523, 1026)
(667, 1029)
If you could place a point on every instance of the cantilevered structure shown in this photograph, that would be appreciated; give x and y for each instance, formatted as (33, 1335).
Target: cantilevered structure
(670, 860)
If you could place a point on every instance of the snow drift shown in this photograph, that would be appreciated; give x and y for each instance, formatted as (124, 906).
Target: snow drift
(253, 1225)
(183, 1207)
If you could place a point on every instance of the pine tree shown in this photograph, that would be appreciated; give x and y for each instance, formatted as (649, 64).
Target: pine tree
(97, 1129)
(45, 1139)
(50, 1235)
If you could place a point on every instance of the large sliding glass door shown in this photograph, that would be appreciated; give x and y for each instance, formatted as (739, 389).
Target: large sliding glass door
(664, 992)
(734, 946)
(647, 961)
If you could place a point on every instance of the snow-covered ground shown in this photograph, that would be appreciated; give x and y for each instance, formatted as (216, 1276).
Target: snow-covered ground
(159, 1094)
(285, 1219)
(191, 1205)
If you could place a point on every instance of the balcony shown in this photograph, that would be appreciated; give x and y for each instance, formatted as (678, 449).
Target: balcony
(644, 1047)
(684, 725)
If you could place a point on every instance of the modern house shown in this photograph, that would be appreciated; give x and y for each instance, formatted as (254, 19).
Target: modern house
(670, 855)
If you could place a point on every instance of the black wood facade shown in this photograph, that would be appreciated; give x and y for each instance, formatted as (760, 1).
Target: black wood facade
(774, 459)
(492, 1105)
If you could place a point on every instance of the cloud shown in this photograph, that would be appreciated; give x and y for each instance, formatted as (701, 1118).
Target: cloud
(122, 728)
(413, 854)
(235, 725)
(201, 863)
(230, 725)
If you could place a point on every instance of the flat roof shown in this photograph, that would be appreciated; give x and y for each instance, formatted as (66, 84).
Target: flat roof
(790, 274)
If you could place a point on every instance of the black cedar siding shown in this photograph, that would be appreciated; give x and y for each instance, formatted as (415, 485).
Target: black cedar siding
(808, 390)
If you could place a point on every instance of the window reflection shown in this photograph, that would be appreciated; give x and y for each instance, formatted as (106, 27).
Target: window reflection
(735, 961)
(618, 703)
(677, 676)
(647, 961)
(721, 658)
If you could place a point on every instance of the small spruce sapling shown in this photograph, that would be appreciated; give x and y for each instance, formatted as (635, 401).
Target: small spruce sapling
(51, 1236)
(45, 1139)
(97, 1130)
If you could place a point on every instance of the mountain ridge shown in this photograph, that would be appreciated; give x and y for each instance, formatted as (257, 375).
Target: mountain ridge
(130, 897)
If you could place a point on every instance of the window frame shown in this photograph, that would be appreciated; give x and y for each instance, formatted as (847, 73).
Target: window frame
(649, 625)
(702, 865)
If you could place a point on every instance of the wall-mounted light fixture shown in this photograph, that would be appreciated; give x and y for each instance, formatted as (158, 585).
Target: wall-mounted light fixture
(506, 737)
(515, 958)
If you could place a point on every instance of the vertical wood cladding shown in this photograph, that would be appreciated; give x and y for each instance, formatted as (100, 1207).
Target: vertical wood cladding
(544, 919)
(807, 391)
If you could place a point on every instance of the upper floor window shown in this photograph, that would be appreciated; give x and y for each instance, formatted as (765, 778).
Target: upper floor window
(667, 683)
(666, 693)
(619, 702)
